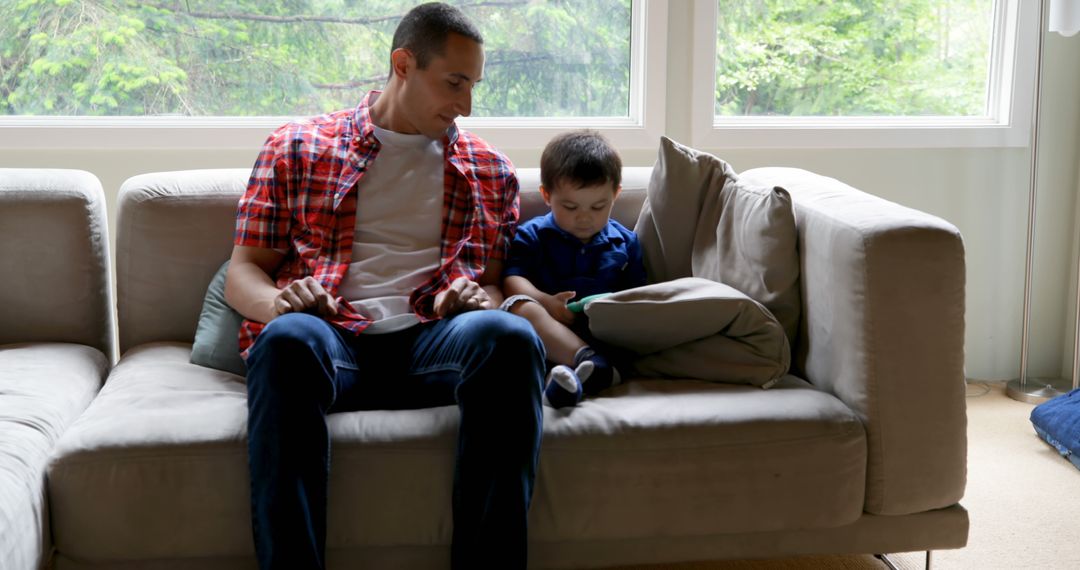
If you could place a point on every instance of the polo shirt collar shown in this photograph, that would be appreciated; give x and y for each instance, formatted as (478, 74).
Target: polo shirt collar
(605, 236)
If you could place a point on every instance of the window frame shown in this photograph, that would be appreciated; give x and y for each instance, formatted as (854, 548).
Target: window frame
(642, 127)
(1008, 123)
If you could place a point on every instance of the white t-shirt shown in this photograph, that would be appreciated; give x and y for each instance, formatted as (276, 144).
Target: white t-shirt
(396, 245)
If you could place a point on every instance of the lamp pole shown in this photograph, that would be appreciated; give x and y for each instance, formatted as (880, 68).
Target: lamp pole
(1039, 390)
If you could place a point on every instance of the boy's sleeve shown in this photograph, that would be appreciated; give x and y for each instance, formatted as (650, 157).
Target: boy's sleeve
(262, 215)
(524, 254)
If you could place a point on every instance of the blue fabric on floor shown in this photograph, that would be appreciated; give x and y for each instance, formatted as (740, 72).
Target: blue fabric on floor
(1058, 422)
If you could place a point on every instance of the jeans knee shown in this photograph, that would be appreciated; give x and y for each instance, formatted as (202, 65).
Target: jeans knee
(290, 352)
(288, 335)
(510, 337)
(513, 367)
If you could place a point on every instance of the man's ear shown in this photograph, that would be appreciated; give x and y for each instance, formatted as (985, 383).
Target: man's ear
(546, 195)
(618, 190)
(401, 62)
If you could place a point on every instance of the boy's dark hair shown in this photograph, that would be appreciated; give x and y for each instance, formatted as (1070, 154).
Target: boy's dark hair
(423, 31)
(581, 158)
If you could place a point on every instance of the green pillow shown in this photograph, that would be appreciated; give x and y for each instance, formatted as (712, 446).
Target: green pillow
(217, 338)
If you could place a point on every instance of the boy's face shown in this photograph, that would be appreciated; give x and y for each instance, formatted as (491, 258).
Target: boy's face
(581, 211)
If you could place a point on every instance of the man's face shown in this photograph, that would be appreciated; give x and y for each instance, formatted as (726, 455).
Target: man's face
(435, 96)
(581, 211)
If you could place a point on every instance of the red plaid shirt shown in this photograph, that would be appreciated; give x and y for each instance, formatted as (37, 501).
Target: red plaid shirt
(301, 198)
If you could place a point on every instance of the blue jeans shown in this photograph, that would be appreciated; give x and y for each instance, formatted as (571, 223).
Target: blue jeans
(489, 363)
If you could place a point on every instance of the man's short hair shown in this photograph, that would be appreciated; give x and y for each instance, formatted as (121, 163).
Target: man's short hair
(423, 31)
(580, 158)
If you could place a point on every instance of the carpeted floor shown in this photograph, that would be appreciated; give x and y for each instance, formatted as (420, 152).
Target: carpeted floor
(1022, 497)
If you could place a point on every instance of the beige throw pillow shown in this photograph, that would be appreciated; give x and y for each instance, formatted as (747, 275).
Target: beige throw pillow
(693, 328)
(700, 220)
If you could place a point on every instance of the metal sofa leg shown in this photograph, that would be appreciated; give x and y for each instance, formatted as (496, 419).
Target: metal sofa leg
(884, 558)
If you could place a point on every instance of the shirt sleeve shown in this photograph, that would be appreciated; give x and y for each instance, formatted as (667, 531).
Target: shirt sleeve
(262, 215)
(500, 250)
(524, 256)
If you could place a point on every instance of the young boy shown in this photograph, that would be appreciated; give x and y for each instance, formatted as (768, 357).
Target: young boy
(574, 251)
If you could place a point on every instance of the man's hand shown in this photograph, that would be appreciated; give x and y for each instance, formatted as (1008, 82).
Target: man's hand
(305, 294)
(462, 295)
(555, 305)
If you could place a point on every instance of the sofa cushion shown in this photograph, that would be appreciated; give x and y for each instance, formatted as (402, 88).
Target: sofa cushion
(174, 229)
(54, 256)
(693, 328)
(157, 467)
(43, 388)
(217, 336)
(700, 219)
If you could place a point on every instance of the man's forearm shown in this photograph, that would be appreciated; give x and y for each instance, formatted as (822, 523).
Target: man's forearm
(250, 291)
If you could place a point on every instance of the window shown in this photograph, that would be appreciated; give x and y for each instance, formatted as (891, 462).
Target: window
(850, 58)
(853, 73)
(266, 58)
(199, 62)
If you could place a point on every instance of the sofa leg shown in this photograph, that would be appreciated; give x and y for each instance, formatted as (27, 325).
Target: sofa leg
(884, 558)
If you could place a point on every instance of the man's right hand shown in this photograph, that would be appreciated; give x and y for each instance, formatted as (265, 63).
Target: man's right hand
(305, 295)
(250, 290)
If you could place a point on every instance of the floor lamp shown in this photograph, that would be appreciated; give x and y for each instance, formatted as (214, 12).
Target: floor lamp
(1064, 19)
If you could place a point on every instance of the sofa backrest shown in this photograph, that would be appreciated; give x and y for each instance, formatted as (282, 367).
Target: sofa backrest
(54, 256)
(175, 229)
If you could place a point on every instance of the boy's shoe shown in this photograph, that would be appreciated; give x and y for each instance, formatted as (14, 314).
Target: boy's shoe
(563, 388)
(603, 374)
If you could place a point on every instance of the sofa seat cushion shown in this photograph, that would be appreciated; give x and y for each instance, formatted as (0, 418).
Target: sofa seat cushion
(43, 388)
(157, 468)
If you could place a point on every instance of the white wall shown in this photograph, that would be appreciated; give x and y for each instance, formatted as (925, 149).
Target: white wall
(982, 191)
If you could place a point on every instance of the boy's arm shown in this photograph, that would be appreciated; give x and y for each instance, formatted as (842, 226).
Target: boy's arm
(555, 304)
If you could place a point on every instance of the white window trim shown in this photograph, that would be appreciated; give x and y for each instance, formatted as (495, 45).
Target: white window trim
(641, 129)
(1008, 123)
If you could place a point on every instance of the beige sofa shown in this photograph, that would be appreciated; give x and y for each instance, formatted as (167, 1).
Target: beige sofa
(56, 336)
(862, 452)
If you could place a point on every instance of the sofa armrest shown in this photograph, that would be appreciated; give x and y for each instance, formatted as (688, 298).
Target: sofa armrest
(883, 329)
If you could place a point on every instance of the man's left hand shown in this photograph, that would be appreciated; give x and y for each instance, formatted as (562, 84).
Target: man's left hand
(462, 295)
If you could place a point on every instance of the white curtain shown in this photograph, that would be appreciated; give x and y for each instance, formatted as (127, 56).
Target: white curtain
(1065, 17)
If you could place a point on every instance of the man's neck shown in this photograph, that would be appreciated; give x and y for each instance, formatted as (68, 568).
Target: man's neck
(385, 115)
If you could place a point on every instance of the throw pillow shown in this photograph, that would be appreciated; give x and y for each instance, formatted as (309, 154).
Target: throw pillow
(217, 337)
(693, 328)
(700, 220)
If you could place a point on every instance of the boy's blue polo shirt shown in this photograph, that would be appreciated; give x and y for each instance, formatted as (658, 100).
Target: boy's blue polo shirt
(555, 261)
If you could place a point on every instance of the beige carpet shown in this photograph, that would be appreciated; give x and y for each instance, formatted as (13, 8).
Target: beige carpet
(1023, 499)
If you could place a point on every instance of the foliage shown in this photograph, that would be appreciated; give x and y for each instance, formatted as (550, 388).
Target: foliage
(544, 57)
(853, 57)
(297, 57)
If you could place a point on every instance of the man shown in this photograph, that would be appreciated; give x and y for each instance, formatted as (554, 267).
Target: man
(369, 246)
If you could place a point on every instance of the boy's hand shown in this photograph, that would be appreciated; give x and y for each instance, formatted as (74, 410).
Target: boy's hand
(556, 307)
(462, 295)
(305, 294)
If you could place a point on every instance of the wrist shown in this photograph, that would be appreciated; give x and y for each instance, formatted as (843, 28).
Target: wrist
(551, 303)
